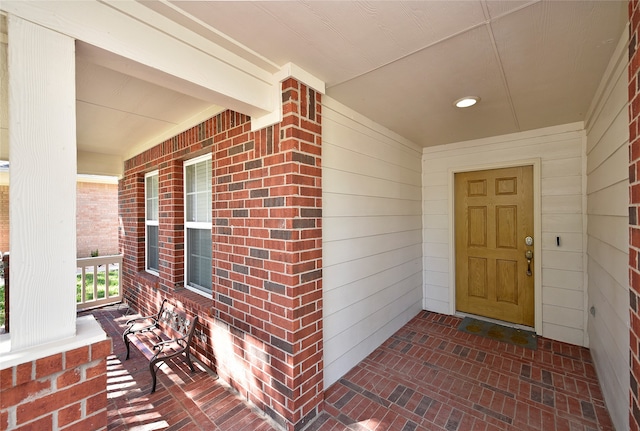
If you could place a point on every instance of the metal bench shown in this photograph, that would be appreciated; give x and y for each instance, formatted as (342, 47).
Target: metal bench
(162, 336)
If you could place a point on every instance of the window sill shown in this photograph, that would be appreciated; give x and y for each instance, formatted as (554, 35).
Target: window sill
(194, 300)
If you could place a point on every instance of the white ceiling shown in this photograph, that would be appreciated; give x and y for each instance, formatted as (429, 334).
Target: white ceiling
(401, 63)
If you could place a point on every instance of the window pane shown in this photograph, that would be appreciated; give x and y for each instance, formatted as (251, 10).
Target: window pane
(203, 175)
(199, 259)
(191, 204)
(152, 209)
(198, 190)
(190, 178)
(203, 203)
(151, 193)
(152, 248)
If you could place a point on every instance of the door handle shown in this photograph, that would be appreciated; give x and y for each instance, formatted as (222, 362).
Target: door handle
(528, 255)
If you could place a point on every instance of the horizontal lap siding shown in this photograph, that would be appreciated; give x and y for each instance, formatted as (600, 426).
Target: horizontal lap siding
(608, 236)
(559, 150)
(372, 241)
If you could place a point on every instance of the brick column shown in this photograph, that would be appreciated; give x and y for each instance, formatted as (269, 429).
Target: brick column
(262, 329)
(171, 224)
(634, 217)
(131, 230)
(268, 256)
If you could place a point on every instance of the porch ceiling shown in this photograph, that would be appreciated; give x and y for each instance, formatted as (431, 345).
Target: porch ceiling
(401, 63)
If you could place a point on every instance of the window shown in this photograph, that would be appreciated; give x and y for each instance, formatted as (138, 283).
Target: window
(197, 186)
(151, 221)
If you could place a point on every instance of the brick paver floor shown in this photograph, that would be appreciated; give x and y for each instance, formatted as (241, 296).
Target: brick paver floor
(427, 376)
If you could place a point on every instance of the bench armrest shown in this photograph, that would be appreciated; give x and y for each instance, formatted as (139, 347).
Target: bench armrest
(136, 319)
(132, 322)
(154, 318)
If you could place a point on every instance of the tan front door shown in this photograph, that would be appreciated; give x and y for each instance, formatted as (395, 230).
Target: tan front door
(493, 216)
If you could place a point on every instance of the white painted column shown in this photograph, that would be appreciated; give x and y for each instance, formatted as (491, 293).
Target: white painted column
(42, 151)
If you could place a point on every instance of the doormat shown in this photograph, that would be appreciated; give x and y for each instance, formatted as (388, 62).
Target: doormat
(517, 337)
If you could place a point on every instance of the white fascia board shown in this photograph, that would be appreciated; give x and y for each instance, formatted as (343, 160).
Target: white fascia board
(164, 52)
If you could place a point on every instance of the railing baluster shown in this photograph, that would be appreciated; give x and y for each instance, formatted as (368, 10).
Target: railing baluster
(95, 282)
(109, 262)
(120, 278)
(83, 280)
(106, 281)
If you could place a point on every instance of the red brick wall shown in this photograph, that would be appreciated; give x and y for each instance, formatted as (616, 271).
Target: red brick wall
(262, 331)
(4, 218)
(634, 215)
(66, 391)
(96, 218)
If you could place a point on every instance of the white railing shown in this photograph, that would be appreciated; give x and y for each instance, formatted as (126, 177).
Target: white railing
(99, 281)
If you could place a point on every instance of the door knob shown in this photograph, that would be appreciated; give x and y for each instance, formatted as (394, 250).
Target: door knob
(528, 255)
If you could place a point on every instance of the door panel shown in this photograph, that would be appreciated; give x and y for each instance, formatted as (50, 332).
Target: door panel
(478, 277)
(493, 215)
(477, 227)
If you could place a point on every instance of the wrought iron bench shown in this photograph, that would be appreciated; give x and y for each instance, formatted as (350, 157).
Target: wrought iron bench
(162, 336)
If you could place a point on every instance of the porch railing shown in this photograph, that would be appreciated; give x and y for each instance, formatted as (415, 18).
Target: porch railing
(99, 281)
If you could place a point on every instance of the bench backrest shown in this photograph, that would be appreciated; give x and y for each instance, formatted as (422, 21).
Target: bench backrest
(176, 322)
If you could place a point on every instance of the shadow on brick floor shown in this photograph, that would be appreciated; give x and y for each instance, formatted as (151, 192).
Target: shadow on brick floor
(183, 400)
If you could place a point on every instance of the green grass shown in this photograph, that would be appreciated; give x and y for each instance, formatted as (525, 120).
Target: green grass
(113, 285)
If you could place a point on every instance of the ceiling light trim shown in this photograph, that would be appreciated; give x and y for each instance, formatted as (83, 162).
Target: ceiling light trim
(466, 102)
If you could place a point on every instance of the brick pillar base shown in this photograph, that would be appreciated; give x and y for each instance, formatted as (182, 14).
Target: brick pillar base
(65, 391)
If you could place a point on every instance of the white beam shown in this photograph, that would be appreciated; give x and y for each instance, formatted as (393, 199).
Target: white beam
(42, 141)
(162, 51)
(100, 164)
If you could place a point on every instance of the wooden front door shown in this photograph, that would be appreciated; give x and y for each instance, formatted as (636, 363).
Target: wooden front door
(493, 216)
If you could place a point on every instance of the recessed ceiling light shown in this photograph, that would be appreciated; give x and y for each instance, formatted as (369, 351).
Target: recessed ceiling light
(466, 102)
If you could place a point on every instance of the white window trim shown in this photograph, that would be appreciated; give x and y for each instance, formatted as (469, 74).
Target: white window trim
(151, 223)
(194, 225)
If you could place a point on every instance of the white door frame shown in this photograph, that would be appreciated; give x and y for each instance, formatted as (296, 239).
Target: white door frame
(537, 231)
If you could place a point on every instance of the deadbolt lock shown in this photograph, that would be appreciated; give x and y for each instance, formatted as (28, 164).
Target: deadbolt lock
(528, 241)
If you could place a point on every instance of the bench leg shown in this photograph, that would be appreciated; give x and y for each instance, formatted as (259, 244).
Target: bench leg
(153, 369)
(188, 356)
(126, 343)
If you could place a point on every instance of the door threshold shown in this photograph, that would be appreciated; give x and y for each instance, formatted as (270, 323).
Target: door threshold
(496, 321)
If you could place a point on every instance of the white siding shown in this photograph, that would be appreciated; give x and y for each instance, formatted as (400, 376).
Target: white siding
(372, 244)
(560, 287)
(608, 235)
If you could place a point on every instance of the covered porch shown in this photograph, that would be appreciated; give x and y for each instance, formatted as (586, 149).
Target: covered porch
(330, 232)
(427, 376)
